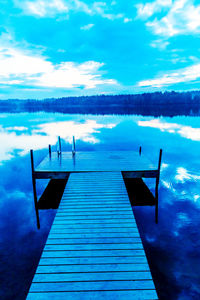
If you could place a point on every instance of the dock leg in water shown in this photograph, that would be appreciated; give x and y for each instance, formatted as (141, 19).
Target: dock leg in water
(157, 183)
(34, 190)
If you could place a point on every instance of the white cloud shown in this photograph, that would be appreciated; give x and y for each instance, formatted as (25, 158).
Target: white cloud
(181, 17)
(99, 8)
(127, 20)
(17, 128)
(24, 67)
(187, 132)
(50, 8)
(181, 75)
(145, 11)
(87, 27)
(160, 44)
(43, 8)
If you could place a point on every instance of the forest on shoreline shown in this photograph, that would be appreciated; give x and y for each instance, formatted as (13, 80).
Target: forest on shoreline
(156, 104)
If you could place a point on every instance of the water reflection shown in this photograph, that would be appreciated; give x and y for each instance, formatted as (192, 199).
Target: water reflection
(38, 134)
(184, 131)
(172, 245)
(83, 130)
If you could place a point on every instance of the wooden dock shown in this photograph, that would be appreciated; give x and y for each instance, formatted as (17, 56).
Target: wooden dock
(94, 250)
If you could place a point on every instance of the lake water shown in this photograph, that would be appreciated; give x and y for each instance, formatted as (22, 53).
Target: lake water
(172, 246)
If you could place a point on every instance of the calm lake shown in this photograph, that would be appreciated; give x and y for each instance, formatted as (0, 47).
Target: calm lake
(172, 246)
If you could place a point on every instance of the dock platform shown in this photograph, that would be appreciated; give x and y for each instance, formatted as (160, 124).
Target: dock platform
(58, 166)
(94, 250)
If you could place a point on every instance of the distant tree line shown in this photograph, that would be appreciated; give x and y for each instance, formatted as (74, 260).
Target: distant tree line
(158, 103)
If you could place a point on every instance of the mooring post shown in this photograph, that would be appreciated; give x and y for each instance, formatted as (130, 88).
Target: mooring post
(140, 150)
(34, 190)
(156, 189)
(73, 147)
(59, 146)
(50, 151)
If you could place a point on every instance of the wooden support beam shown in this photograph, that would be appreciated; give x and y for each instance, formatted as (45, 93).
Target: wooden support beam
(34, 190)
(59, 140)
(73, 146)
(156, 189)
(140, 174)
(51, 175)
(50, 151)
(59, 150)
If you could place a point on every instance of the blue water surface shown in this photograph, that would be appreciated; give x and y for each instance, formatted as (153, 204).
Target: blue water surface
(172, 246)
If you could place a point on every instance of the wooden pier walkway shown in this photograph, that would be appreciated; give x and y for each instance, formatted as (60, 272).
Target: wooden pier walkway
(94, 250)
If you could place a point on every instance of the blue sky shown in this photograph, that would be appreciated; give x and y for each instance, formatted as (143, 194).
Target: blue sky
(56, 48)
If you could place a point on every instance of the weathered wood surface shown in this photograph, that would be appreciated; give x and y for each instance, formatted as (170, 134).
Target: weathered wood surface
(103, 161)
(93, 250)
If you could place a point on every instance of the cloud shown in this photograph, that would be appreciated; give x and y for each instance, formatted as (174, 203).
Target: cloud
(187, 74)
(180, 17)
(160, 44)
(127, 20)
(23, 67)
(42, 8)
(96, 8)
(145, 11)
(87, 27)
(187, 132)
(51, 8)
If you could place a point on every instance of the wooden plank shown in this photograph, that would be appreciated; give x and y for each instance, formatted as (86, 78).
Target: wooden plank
(97, 227)
(96, 295)
(92, 268)
(91, 253)
(94, 250)
(66, 212)
(94, 221)
(92, 260)
(94, 247)
(95, 235)
(84, 208)
(93, 218)
(93, 241)
(93, 205)
(63, 277)
(94, 202)
(92, 286)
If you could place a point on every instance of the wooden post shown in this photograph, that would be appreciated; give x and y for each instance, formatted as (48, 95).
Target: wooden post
(59, 140)
(50, 151)
(156, 189)
(34, 190)
(140, 150)
(73, 146)
(59, 146)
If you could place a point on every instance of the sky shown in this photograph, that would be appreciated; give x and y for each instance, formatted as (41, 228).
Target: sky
(59, 48)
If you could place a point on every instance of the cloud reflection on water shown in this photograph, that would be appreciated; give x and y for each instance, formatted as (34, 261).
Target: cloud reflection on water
(82, 131)
(17, 137)
(184, 131)
(183, 175)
